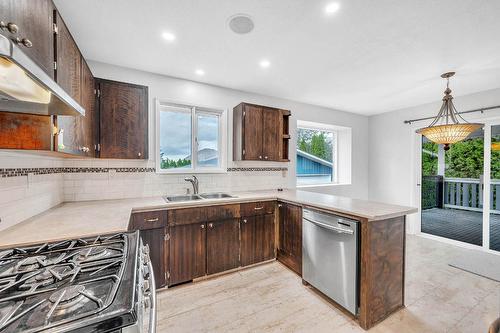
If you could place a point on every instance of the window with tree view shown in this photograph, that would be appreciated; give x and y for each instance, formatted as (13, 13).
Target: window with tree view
(189, 139)
(316, 156)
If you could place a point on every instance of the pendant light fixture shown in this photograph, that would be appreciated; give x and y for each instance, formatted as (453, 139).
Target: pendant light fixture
(446, 127)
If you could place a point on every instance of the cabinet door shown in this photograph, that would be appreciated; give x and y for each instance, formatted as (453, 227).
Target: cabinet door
(271, 135)
(290, 236)
(34, 21)
(85, 125)
(68, 72)
(155, 239)
(252, 132)
(68, 76)
(248, 241)
(187, 255)
(264, 237)
(257, 239)
(123, 112)
(223, 245)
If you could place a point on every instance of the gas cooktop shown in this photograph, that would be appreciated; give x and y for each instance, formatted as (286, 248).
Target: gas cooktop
(74, 285)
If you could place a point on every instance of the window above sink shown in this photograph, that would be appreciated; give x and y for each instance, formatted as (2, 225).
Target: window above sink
(190, 139)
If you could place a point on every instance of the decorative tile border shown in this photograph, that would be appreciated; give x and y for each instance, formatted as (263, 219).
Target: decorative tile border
(257, 169)
(18, 172)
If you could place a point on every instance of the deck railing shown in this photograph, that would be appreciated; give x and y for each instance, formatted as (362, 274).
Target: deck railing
(468, 193)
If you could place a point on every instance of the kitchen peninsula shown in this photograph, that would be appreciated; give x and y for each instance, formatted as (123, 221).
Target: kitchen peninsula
(274, 216)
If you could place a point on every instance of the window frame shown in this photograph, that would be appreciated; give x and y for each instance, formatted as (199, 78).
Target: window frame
(323, 128)
(196, 109)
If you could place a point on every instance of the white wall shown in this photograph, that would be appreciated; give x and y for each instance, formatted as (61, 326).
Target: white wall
(392, 153)
(169, 88)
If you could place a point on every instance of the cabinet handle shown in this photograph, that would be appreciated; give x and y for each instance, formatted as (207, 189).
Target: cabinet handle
(260, 156)
(259, 208)
(280, 205)
(210, 225)
(151, 220)
(245, 221)
(11, 27)
(203, 226)
(265, 157)
(139, 154)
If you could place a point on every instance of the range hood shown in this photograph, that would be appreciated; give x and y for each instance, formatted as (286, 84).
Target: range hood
(26, 88)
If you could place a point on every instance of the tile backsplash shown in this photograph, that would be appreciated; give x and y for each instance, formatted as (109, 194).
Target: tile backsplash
(31, 184)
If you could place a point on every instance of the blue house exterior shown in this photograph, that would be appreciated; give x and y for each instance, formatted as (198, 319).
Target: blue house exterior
(311, 169)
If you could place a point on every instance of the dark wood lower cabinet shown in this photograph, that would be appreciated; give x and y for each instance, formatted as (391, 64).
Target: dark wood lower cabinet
(223, 245)
(290, 236)
(187, 257)
(382, 269)
(158, 253)
(257, 239)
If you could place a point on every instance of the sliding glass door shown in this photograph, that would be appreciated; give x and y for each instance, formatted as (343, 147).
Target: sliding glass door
(494, 192)
(452, 197)
(460, 189)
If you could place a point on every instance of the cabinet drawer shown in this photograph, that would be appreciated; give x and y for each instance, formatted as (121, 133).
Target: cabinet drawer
(203, 214)
(148, 220)
(257, 208)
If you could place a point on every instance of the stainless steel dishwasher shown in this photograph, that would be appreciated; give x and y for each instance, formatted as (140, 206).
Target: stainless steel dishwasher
(330, 256)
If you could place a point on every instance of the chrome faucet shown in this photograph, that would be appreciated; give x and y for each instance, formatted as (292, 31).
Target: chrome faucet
(194, 182)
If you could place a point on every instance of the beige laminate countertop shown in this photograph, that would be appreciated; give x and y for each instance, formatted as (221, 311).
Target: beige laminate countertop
(87, 218)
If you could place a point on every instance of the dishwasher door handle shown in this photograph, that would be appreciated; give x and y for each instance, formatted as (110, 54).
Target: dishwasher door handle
(331, 227)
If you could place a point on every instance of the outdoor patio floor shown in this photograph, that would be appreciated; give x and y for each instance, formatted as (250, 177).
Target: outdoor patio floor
(461, 225)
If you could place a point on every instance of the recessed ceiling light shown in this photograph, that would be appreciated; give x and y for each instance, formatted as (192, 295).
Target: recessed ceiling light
(240, 23)
(264, 63)
(332, 8)
(200, 72)
(168, 36)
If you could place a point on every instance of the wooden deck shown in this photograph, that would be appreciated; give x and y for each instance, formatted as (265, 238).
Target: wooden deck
(461, 225)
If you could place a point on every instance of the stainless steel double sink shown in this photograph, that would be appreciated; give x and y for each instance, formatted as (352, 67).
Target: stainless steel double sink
(193, 197)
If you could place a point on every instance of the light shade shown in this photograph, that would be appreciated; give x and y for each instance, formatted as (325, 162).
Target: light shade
(448, 134)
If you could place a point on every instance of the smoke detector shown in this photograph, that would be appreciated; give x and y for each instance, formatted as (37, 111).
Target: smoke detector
(240, 24)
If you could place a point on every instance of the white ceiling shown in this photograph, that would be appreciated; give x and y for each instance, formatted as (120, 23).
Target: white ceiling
(369, 57)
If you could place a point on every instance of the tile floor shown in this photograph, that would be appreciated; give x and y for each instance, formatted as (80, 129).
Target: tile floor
(270, 298)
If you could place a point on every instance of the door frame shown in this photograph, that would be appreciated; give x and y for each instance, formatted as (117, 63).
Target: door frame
(415, 223)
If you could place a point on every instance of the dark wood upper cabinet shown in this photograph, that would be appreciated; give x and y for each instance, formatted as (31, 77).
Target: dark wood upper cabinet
(69, 77)
(68, 60)
(158, 253)
(260, 133)
(271, 134)
(34, 26)
(123, 120)
(86, 124)
(252, 132)
(290, 236)
(187, 257)
(223, 245)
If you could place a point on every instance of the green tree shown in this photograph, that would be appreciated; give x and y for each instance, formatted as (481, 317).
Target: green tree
(429, 159)
(303, 145)
(318, 145)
